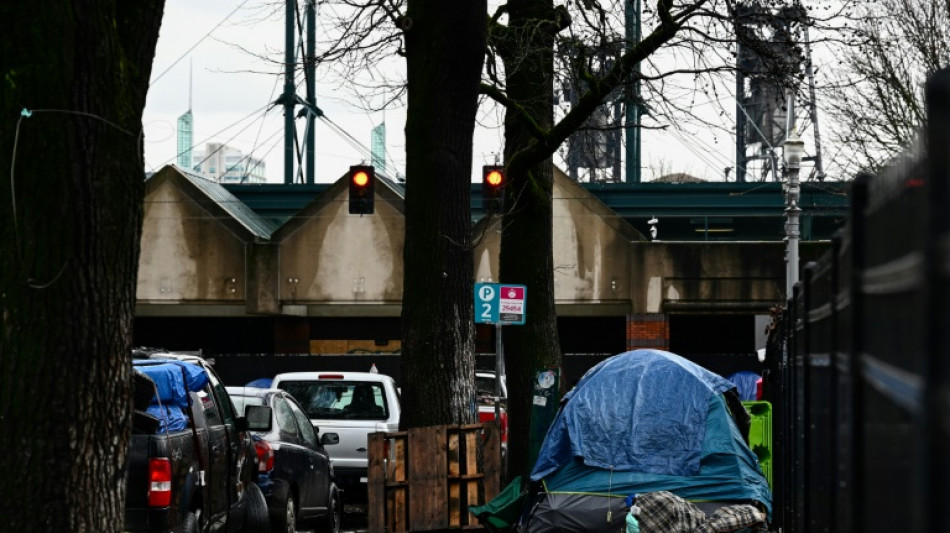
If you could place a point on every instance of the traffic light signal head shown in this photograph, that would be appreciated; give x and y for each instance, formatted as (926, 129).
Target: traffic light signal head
(362, 179)
(493, 184)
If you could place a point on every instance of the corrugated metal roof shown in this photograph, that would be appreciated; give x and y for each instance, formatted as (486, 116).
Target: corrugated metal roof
(256, 224)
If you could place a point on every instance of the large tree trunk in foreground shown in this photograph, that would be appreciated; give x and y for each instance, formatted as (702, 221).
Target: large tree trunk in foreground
(445, 46)
(531, 137)
(527, 241)
(69, 241)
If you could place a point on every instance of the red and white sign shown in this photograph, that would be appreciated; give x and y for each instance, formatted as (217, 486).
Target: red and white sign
(511, 303)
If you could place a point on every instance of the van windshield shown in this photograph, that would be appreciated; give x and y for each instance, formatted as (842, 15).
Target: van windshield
(339, 400)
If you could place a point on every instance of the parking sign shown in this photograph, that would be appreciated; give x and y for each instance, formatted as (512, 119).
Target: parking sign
(500, 303)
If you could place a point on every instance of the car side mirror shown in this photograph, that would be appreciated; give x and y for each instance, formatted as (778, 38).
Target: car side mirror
(258, 417)
(329, 438)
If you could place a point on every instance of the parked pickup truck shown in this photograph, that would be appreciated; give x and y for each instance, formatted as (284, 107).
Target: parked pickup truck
(191, 461)
(352, 405)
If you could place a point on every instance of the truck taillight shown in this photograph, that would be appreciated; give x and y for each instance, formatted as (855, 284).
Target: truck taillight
(159, 483)
(265, 456)
(504, 427)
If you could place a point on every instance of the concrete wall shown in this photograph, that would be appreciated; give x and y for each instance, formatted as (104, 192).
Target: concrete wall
(695, 276)
(326, 262)
(332, 257)
(189, 254)
(591, 251)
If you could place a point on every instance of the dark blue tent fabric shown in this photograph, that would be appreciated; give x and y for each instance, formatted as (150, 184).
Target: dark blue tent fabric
(745, 382)
(728, 471)
(646, 421)
(642, 411)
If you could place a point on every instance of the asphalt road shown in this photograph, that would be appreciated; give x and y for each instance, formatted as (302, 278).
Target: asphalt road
(354, 518)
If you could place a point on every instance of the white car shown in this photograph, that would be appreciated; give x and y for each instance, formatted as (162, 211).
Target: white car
(352, 405)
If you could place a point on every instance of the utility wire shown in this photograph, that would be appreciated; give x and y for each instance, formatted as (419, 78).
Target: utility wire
(247, 158)
(188, 51)
(254, 146)
(359, 146)
(224, 144)
(226, 128)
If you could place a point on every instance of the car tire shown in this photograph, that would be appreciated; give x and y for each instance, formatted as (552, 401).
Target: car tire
(189, 524)
(287, 520)
(330, 522)
(256, 519)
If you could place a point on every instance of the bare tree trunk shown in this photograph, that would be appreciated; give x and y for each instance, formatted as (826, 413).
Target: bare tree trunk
(69, 238)
(445, 46)
(527, 240)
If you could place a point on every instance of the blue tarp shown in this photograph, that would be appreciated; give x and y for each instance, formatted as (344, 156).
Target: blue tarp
(260, 383)
(173, 380)
(646, 421)
(170, 417)
(746, 383)
(641, 411)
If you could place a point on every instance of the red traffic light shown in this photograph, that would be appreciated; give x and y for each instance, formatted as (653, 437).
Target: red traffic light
(493, 183)
(362, 178)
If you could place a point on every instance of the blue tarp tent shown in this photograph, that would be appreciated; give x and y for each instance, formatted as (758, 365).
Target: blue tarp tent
(173, 380)
(641, 421)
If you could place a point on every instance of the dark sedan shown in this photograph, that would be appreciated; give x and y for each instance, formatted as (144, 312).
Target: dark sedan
(295, 472)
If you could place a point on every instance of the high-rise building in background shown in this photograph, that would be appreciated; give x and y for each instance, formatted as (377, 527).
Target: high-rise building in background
(224, 164)
(185, 131)
(378, 147)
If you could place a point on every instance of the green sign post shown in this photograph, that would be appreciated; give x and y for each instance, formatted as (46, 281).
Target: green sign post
(545, 401)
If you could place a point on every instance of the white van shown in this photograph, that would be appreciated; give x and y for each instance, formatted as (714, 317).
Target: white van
(352, 405)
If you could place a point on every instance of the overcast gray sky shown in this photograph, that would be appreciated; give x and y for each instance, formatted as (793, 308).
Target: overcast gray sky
(232, 90)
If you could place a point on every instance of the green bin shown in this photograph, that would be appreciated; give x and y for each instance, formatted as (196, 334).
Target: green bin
(760, 435)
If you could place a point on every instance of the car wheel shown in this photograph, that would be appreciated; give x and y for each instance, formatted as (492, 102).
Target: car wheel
(255, 513)
(286, 521)
(330, 523)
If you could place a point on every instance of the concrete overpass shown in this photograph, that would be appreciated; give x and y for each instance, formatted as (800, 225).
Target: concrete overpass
(285, 269)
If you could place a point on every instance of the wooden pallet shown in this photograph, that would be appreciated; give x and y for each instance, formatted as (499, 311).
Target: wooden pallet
(427, 478)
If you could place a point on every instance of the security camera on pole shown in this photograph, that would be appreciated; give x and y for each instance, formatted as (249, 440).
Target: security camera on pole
(793, 148)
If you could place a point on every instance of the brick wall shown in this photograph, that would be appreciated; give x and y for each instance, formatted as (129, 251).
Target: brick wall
(650, 330)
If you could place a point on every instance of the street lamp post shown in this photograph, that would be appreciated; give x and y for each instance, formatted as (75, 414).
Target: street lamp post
(793, 148)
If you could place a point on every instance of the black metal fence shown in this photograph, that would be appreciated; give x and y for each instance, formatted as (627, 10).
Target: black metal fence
(862, 388)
